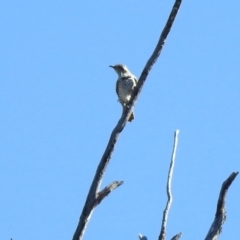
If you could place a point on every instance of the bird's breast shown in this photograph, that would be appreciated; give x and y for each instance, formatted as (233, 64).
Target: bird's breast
(125, 88)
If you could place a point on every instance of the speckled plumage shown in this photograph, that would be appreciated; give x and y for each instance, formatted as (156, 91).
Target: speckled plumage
(125, 84)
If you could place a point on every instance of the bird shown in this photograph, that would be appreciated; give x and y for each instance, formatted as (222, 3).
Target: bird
(125, 85)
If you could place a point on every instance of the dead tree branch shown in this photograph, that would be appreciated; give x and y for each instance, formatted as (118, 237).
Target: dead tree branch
(102, 194)
(151, 60)
(176, 237)
(141, 237)
(91, 199)
(220, 215)
(162, 235)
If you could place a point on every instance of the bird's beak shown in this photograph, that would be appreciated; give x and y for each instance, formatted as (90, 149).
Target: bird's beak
(111, 66)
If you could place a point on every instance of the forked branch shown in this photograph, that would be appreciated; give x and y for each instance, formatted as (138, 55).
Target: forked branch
(91, 199)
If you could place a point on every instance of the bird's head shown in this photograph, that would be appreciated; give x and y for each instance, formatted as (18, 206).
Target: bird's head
(120, 69)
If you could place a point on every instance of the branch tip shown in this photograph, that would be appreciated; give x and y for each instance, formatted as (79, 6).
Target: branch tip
(141, 237)
(162, 235)
(94, 197)
(176, 237)
(220, 216)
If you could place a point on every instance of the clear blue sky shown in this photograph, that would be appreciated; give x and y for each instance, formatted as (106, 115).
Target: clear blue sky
(58, 107)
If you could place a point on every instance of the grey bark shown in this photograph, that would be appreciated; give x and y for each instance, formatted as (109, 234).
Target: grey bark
(162, 235)
(220, 215)
(91, 199)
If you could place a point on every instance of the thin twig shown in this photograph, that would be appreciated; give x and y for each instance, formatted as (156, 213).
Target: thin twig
(102, 194)
(220, 215)
(141, 237)
(91, 197)
(176, 237)
(162, 235)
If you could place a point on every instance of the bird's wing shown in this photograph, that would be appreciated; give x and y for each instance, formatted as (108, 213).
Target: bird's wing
(119, 82)
(135, 80)
(117, 85)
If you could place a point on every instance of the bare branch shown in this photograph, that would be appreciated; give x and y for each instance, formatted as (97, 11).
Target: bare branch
(102, 194)
(162, 235)
(176, 237)
(141, 237)
(220, 215)
(151, 61)
(91, 197)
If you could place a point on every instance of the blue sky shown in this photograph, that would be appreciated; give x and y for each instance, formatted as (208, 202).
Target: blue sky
(58, 107)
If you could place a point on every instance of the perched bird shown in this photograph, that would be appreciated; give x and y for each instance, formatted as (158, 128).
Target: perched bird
(125, 84)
